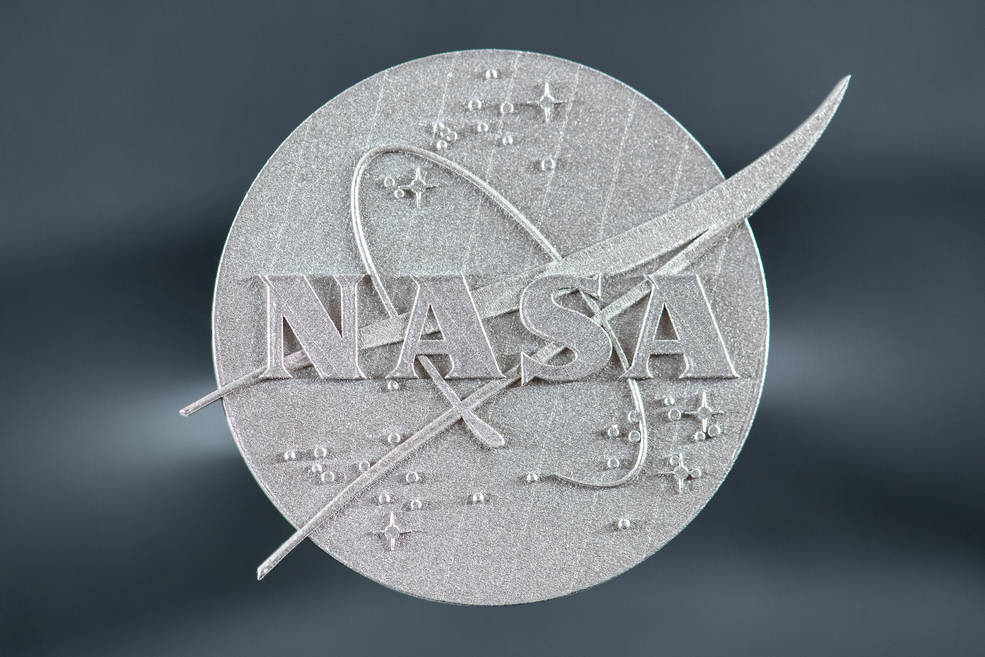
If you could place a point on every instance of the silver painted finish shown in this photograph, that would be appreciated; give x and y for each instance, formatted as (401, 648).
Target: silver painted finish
(498, 166)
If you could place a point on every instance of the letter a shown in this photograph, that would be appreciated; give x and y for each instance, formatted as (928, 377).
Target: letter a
(691, 331)
(462, 337)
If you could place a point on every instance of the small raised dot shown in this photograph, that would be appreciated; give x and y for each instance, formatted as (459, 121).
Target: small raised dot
(392, 385)
(623, 524)
(611, 463)
(481, 127)
(394, 438)
(475, 105)
(415, 505)
(491, 74)
(441, 144)
(633, 416)
(412, 477)
(399, 193)
(532, 478)
(548, 164)
(320, 452)
(673, 415)
(477, 498)
(634, 436)
(389, 181)
(317, 468)
(383, 498)
(699, 435)
(714, 430)
(668, 401)
(612, 431)
(507, 140)
(328, 477)
(290, 455)
(506, 108)
(363, 466)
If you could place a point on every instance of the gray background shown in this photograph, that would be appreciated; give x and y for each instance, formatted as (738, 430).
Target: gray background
(853, 520)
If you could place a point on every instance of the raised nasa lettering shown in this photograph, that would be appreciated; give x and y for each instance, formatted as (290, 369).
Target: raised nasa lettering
(444, 320)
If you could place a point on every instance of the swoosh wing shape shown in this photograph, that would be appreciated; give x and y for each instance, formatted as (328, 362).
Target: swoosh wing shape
(706, 218)
(728, 203)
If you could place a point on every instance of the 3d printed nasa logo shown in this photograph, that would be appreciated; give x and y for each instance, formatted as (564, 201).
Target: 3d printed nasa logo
(490, 327)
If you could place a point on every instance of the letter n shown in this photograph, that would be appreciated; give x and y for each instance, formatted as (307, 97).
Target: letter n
(334, 353)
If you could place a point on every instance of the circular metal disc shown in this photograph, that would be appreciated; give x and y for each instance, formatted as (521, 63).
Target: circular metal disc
(584, 158)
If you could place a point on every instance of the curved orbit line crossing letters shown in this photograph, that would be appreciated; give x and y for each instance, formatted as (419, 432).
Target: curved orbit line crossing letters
(536, 235)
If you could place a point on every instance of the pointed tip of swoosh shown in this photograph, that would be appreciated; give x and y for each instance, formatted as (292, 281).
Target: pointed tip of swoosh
(807, 134)
(826, 110)
(757, 182)
(838, 93)
(738, 197)
(809, 131)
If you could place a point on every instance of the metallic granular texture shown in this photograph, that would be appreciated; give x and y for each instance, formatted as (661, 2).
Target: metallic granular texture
(491, 164)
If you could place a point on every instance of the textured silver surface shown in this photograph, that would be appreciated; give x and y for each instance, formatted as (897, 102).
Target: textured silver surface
(499, 166)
